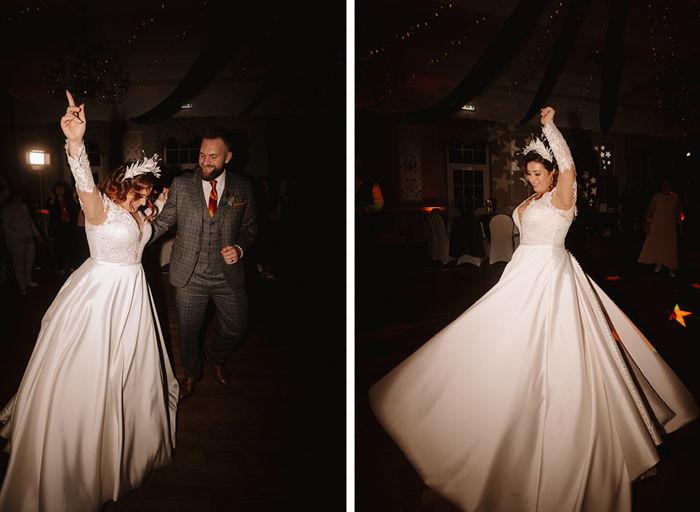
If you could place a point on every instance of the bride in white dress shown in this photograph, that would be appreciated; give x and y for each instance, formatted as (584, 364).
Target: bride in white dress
(542, 396)
(95, 411)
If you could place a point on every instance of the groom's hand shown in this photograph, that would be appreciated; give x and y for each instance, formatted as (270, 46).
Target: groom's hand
(230, 254)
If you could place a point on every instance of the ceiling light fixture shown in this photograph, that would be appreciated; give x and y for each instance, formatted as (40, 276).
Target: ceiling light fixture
(82, 69)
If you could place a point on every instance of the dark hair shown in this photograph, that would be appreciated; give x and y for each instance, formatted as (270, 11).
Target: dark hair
(117, 188)
(67, 190)
(550, 166)
(14, 193)
(218, 133)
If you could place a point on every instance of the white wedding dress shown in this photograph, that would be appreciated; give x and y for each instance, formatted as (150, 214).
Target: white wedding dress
(542, 396)
(95, 410)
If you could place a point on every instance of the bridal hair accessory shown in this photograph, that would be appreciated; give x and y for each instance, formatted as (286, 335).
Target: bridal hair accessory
(539, 147)
(143, 166)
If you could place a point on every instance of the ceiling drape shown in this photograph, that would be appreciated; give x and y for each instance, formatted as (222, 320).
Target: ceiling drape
(238, 23)
(612, 64)
(506, 43)
(562, 50)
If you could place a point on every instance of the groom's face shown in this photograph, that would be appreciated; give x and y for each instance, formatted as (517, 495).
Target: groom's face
(213, 157)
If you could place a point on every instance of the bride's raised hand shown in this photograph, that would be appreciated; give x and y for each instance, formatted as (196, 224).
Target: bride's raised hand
(73, 122)
(547, 115)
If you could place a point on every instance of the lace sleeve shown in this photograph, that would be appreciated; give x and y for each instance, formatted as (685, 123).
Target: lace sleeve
(91, 200)
(80, 167)
(559, 147)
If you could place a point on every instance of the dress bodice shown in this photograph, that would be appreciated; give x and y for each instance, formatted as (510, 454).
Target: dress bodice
(665, 202)
(542, 223)
(118, 239)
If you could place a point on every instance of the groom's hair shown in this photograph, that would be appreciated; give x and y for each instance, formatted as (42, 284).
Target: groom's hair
(218, 133)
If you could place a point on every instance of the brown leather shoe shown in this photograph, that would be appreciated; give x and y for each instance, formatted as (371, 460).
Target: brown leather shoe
(187, 384)
(220, 373)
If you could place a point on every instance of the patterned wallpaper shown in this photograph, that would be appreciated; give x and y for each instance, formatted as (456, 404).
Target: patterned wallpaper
(410, 169)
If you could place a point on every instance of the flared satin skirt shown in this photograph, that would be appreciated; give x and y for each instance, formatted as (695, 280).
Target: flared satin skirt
(542, 396)
(95, 411)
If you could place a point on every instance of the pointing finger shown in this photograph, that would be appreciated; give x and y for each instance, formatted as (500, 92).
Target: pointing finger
(71, 103)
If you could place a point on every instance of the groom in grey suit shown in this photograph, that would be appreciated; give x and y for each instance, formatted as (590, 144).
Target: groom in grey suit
(216, 225)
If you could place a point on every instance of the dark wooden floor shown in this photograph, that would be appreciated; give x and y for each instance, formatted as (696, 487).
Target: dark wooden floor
(399, 311)
(274, 441)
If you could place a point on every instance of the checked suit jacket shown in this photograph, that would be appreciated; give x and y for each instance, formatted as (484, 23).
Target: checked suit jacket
(185, 207)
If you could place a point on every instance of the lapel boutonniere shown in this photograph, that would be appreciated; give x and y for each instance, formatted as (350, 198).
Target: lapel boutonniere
(232, 200)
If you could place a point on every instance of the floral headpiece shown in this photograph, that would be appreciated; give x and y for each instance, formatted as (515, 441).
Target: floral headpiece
(539, 147)
(144, 166)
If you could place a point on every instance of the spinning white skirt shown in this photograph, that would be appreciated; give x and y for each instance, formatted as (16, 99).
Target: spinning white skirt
(542, 396)
(95, 411)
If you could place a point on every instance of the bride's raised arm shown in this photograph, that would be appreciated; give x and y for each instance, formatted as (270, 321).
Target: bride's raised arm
(566, 187)
(73, 124)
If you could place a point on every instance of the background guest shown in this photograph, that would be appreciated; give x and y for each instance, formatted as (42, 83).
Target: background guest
(62, 215)
(270, 214)
(19, 230)
(663, 213)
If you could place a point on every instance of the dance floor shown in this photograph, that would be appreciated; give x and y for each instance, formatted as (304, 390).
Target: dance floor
(274, 441)
(397, 312)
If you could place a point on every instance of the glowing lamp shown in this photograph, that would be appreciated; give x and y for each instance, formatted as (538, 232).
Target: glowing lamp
(38, 158)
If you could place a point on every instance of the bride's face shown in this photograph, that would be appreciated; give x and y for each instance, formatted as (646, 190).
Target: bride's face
(538, 176)
(135, 199)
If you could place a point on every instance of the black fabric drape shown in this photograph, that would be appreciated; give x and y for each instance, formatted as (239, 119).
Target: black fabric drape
(238, 23)
(612, 64)
(466, 237)
(562, 50)
(500, 51)
(280, 69)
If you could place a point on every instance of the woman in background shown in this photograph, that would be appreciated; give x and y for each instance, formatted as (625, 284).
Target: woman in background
(19, 230)
(661, 245)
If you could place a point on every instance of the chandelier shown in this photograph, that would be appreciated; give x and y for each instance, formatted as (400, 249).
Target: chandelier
(89, 74)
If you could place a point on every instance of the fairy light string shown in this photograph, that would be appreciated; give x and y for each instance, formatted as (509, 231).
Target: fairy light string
(403, 35)
(384, 87)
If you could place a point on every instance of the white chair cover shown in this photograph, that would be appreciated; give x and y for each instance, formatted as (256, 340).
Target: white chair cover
(474, 260)
(501, 227)
(481, 211)
(443, 252)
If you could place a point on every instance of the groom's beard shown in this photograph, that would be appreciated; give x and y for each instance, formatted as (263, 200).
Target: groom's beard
(211, 173)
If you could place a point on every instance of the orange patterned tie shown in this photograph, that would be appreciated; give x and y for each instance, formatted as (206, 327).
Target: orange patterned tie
(213, 198)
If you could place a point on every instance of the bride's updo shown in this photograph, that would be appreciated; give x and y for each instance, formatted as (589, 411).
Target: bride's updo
(117, 187)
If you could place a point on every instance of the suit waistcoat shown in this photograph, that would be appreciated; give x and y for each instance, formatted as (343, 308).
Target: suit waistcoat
(210, 252)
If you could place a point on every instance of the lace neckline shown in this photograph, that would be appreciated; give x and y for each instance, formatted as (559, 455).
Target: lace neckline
(140, 224)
